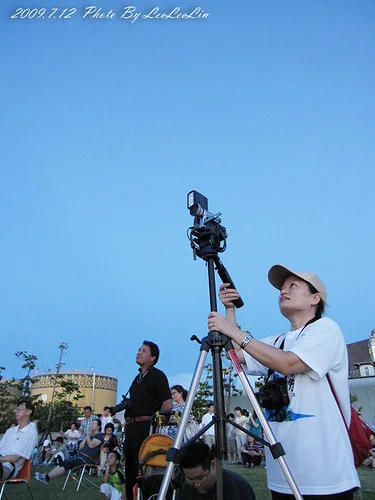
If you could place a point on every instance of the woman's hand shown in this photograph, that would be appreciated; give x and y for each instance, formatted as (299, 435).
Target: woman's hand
(228, 295)
(217, 322)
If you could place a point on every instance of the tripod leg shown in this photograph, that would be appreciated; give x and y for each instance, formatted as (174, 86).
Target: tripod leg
(184, 420)
(276, 448)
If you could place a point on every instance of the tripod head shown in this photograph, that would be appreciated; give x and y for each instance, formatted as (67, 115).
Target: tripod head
(208, 237)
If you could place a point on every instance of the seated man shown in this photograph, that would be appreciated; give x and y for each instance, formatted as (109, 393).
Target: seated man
(199, 467)
(59, 452)
(18, 442)
(88, 453)
(252, 452)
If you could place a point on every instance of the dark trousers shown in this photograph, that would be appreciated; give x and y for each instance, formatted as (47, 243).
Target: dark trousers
(248, 459)
(345, 495)
(135, 434)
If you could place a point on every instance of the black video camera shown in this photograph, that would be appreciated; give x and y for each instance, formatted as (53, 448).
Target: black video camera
(124, 405)
(274, 396)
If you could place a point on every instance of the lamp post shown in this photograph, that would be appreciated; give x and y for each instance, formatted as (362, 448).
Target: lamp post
(371, 346)
(93, 388)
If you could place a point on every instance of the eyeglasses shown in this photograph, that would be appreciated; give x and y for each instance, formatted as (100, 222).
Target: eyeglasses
(19, 408)
(200, 479)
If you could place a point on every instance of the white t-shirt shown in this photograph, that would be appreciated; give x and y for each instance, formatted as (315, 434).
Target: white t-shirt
(206, 419)
(313, 435)
(72, 436)
(19, 442)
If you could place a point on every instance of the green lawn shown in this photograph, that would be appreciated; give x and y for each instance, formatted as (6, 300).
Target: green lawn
(256, 477)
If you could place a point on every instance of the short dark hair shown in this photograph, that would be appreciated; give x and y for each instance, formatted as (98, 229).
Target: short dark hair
(231, 415)
(237, 408)
(28, 405)
(118, 456)
(196, 454)
(106, 408)
(155, 352)
(87, 408)
(59, 439)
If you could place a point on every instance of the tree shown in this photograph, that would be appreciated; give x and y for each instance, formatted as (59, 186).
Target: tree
(10, 390)
(229, 385)
(354, 399)
(25, 383)
(205, 389)
(63, 414)
(6, 410)
(69, 387)
(204, 394)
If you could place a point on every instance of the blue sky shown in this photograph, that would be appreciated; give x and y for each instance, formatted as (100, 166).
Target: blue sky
(266, 107)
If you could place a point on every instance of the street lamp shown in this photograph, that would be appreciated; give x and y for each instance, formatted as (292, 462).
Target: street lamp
(371, 345)
(93, 388)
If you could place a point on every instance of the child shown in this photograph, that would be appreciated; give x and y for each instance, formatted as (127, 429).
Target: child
(106, 448)
(113, 486)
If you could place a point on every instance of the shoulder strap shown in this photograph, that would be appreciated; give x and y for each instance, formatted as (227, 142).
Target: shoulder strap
(337, 402)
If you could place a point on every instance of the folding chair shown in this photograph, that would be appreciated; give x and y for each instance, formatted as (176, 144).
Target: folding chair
(23, 477)
(82, 479)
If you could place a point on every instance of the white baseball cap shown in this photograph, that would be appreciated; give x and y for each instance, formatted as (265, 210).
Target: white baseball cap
(278, 274)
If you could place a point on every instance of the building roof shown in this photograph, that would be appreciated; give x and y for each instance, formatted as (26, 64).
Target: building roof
(358, 354)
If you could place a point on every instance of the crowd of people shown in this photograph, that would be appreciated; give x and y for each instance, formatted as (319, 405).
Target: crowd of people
(305, 361)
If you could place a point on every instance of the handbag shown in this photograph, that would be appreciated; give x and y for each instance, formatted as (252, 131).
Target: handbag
(358, 434)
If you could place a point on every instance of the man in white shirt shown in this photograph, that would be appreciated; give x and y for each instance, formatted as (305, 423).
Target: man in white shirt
(106, 417)
(209, 435)
(18, 442)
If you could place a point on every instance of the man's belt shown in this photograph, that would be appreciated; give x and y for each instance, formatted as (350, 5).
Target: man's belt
(133, 420)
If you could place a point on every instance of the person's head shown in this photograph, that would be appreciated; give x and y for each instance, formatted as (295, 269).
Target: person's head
(245, 412)
(109, 428)
(148, 354)
(300, 291)
(179, 394)
(106, 448)
(24, 411)
(250, 439)
(106, 411)
(372, 439)
(87, 411)
(113, 458)
(231, 416)
(73, 426)
(238, 411)
(198, 464)
(96, 425)
(46, 443)
(211, 408)
(59, 441)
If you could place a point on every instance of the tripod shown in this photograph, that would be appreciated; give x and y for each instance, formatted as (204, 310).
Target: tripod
(205, 240)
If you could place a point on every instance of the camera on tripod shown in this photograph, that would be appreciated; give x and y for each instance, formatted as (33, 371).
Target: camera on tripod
(274, 396)
(125, 404)
(207, 236)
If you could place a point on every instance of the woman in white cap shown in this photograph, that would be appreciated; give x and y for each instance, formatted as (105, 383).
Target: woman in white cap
(306, 419)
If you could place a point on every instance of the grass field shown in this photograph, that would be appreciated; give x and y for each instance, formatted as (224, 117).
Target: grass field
(256, 477)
